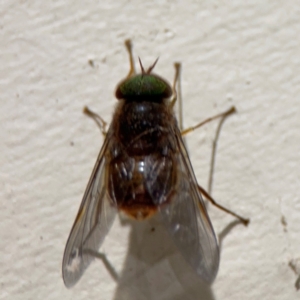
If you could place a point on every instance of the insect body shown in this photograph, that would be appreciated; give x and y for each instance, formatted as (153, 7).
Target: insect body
(141, 171)
(143, 168)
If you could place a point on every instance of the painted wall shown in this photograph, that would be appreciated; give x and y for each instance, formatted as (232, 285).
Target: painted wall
(58, 56)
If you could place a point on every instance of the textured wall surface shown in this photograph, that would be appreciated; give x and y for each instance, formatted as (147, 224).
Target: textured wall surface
(243, 53)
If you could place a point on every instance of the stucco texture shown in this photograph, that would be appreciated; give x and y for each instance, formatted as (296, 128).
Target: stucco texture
(58, 56)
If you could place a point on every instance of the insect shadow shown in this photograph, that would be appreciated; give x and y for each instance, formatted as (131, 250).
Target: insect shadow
(154, 268)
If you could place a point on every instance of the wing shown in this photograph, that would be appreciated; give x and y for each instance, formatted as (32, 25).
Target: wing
(187, 221)
(93, 221)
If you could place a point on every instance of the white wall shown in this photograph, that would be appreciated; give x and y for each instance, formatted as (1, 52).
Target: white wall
(243, 53)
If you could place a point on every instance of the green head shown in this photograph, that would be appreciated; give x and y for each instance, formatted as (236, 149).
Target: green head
(144, 86)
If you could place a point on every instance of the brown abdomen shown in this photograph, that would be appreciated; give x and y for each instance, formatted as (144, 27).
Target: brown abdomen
(141, 169)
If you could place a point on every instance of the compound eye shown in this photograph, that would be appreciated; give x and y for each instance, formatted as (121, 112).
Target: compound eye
(144, 85)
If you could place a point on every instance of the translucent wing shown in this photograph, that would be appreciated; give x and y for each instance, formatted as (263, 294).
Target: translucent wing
(186, 218)
(93, 221)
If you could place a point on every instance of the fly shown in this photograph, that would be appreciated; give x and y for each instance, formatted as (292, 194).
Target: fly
(142, 169)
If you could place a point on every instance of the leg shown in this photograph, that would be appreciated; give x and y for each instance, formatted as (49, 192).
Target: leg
(208, 197)
(206, 194)
(128, 46)
(202, 191)
(221, 115)
(99, 121)
(177, 93)
(105, 261)
(175, 82)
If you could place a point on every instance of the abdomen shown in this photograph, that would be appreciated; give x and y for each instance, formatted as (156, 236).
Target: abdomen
(141, 168)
